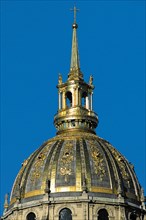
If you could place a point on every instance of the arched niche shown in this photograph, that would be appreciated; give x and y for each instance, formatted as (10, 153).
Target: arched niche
(65, 214)
(102, 215)
(31, 216)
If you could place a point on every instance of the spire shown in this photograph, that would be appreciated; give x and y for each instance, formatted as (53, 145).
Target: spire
(75, 63)
(74, 52)
(75, 97)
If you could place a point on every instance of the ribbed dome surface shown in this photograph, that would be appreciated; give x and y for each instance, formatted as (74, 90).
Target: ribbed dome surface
(76, 162)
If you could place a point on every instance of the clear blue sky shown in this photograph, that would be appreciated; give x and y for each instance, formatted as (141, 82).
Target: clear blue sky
(36, 46)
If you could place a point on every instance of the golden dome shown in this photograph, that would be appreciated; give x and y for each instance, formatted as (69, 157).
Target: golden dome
(73, 163)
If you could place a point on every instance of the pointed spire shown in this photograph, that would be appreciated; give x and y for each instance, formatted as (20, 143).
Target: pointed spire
(75, 112)
(74, 53)
(75, 63)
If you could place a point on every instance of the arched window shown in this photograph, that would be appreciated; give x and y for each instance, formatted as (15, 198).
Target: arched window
(65, 214)
(103, 214)
(68, 99)
(132, 216)
(31, 216)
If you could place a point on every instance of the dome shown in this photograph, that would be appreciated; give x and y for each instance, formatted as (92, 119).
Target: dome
(72, 163)
(76, 175)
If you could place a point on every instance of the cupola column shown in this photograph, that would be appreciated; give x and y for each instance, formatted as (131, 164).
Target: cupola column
(63, 100)
(91, 101)
(87, 102)
(73, 97)
(59, 100)
(77, 96)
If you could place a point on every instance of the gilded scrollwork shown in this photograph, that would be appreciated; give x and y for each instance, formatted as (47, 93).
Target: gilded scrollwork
(98, 160)
(66, 159)
(122, 165)
(39, 161)
(81, 112)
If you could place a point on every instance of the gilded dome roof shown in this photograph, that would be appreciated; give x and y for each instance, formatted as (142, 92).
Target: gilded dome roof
(76, 162)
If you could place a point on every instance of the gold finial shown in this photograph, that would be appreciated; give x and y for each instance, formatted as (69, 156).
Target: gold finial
(60, 79)
(91, 80)
(75, 13)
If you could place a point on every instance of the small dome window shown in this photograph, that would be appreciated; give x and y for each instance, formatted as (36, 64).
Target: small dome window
(133, 216)
(31, 216)
(102, 215)
(65, 214)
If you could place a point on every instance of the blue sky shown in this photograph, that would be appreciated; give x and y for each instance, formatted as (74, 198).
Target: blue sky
(35, 48)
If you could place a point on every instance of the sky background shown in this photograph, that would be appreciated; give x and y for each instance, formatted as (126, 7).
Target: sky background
(36, 46)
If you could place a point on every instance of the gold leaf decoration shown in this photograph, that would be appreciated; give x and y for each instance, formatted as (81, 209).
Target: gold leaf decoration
(98, 160)
(122, 165)
(67, 158)
(39, 161)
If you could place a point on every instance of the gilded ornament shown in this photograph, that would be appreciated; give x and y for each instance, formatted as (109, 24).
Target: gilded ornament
(122, 165)
(40, 160)
(97, 157)
(64, 171)
(67, 158)
(91, 80)
(60, 79)
(25, 163)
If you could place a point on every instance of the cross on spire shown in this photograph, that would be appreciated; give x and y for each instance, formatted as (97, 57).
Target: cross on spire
(75, 13)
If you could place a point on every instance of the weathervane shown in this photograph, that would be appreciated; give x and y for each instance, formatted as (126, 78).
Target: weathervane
(75, 13)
